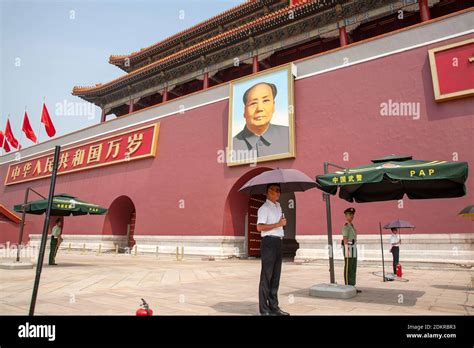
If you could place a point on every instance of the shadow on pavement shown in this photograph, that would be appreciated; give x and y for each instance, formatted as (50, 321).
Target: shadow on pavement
(372, 295)
(452, 287)
(237, 307)
(69, 264)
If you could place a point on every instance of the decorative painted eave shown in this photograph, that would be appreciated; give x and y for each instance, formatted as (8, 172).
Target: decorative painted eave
(9, 214)
(269, 21)
(246, 8)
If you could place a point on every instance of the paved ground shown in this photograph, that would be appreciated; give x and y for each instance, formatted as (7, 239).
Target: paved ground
(114, 284)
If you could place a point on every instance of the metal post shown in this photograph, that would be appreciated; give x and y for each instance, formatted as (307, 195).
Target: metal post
(44, 237)
(22, 225)
(327, 198)
(128, 235)
(23, 217)
(381, 246)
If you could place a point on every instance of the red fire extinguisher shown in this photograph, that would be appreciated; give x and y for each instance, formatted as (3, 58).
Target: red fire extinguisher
(399, 270)
(144, 310)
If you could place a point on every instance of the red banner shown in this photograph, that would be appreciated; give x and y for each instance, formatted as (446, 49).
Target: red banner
(452, 70)
(124, 147)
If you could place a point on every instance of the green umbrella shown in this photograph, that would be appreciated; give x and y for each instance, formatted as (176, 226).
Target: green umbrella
(391, 177)
(63, 205)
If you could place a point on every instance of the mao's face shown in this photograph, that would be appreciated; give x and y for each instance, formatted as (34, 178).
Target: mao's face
(260, 106)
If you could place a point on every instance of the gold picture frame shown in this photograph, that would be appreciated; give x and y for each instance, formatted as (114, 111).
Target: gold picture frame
(434, 73)
(236, 93)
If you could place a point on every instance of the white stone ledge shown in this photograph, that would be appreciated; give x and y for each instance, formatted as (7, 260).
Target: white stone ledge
(444, 248)
(215, 246)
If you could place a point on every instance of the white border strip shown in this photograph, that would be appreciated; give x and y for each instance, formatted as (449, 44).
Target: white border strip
(386, 54)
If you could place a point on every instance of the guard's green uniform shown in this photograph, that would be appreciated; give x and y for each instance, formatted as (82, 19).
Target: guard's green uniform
(350, 261)
(55, 235)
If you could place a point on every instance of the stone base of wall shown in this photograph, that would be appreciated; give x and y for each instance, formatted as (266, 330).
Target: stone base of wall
(212, 246)
(454, 248)
(430, 248)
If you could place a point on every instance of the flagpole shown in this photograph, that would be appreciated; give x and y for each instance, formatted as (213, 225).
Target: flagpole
(17, 149)
(5, 135)
(3, 143)
(21, 131)
(39, 128)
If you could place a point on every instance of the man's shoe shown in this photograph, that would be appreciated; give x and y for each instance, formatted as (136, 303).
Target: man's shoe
(53, 264)
(267, 314)
(358, 291)
(278, 311)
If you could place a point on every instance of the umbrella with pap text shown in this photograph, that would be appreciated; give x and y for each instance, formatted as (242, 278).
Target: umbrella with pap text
(391, 178)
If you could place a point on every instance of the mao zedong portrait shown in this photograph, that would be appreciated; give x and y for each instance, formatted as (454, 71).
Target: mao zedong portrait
(259, 135)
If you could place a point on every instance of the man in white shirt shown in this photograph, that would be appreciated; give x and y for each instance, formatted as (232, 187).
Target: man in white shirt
(395, 241)
(270, 223)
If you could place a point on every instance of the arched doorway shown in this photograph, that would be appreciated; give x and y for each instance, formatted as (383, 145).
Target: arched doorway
(288, 207)
(253, 237)
(240, 216)
(120, 220)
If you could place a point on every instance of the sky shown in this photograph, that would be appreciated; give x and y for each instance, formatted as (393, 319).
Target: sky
(50, 46)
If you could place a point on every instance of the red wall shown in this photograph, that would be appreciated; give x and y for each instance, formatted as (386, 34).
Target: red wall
(9, 232)
(336, 112)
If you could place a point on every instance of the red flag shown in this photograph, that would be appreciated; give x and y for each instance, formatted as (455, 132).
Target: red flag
(3, 142)
(10, 137)
(26, 128)
(46, 120)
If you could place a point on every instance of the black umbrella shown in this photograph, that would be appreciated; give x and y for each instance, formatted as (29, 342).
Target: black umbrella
(398, 224)
(290, 180)
(467, 211)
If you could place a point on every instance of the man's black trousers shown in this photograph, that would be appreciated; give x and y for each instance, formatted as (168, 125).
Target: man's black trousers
(396, 258)
(270, 253)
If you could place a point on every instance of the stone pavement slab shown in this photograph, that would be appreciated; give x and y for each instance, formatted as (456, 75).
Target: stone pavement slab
(86, 284)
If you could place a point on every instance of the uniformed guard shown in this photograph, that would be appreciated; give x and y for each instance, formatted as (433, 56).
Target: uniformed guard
(349, 248)
(56, 239)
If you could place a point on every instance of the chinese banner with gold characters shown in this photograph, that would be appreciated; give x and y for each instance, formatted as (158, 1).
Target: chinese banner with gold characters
(127, 146)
